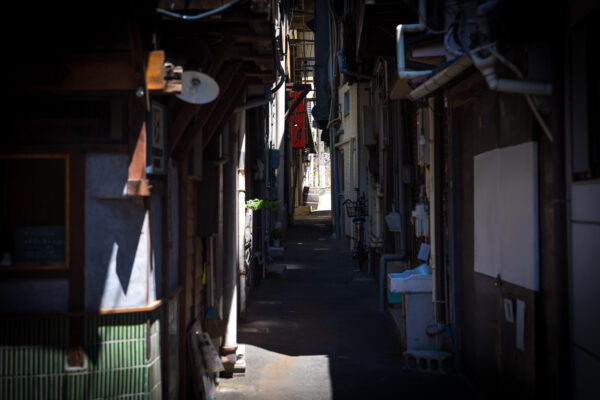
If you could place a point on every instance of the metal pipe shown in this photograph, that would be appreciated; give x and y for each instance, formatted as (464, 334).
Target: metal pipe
(382, 275)
(400, 30)
(253, 104)
(524, 87)
(487, 67)
(334, 173)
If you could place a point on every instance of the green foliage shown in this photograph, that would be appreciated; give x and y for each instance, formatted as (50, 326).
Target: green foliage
(260, 204)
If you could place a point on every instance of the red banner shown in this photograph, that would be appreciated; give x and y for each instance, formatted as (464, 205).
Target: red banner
(297, 121)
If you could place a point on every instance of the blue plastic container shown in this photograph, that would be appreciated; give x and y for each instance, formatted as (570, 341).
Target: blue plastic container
(394, 298)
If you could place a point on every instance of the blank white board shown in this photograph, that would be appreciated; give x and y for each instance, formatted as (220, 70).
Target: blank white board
(506, 214)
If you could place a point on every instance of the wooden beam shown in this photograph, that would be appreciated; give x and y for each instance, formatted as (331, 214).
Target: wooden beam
(84, 72)
(188, 111)
(76, 240)
(95, 71)
(225, 107)
(225, 78)
(257, 58)
(252, 38)
(137, 184)
(220, 56)
(138, 60)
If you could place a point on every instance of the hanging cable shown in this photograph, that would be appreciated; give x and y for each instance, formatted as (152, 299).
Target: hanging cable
(530, 102)
(198, 16)
(278, 57)
(452, 50)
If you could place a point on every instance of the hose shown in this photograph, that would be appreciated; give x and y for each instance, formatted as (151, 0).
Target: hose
(198, 16)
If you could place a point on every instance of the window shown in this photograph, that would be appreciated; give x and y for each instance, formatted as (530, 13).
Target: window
(346, 103)
(341, 171)
(34, 211)
(585, 89)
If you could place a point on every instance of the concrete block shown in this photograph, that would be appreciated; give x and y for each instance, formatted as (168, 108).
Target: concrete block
(437, 362)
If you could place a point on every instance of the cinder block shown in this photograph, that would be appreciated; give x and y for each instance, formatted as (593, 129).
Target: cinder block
(437, 362)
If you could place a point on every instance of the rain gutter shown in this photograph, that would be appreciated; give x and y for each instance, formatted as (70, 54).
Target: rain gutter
(441, 78)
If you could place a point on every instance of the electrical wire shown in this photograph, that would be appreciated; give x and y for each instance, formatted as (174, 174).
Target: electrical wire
(518, 73)
(197, 16)
(282, 78)
(454, 51)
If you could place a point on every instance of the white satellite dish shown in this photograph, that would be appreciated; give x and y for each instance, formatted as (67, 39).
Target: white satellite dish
(198, 88)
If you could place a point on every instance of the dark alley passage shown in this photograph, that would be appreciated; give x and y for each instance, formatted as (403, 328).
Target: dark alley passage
(315, 332)
(275, 199)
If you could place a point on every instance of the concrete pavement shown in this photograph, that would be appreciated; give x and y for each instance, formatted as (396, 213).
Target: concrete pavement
(315, 331)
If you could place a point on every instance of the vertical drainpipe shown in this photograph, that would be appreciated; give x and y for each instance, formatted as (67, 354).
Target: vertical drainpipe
(334, 171)
(400, 57)
(220, 252)
(280, 130)
(433, 256)
(241, 219)
(230, 340)
(279, 145)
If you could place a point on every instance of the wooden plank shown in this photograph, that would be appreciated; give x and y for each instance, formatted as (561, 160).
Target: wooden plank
(65, 148)
(224, 109)
(138, 187)
(76, 256)
(76, 228)
(183, 321)
(211, 358)
(97, 71)
(198, 272)
(155, 79)
(195, 357)
(221, 56)
(150, 307)
(137, 141)
(137, 55)
(224, 80)
(187, 111)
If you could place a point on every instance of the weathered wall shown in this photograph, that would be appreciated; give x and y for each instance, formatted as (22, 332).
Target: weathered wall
(156, 243)
(116, 245)
(485, 121)
(39, 297)
(173, 218)
(348, 142)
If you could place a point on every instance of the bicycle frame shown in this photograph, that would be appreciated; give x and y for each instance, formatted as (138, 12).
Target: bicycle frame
(357, 210)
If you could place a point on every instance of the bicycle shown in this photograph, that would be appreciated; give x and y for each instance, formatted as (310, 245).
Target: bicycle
(357, 210)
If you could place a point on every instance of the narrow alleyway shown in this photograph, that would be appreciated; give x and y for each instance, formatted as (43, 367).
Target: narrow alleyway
(315, 332)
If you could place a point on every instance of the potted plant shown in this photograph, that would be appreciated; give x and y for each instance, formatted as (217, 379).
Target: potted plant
(276, 234)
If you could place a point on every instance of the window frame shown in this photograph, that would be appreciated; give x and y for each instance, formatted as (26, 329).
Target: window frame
(31, 267)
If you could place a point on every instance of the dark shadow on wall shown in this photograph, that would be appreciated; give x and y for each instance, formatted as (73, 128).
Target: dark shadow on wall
(113, 233)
